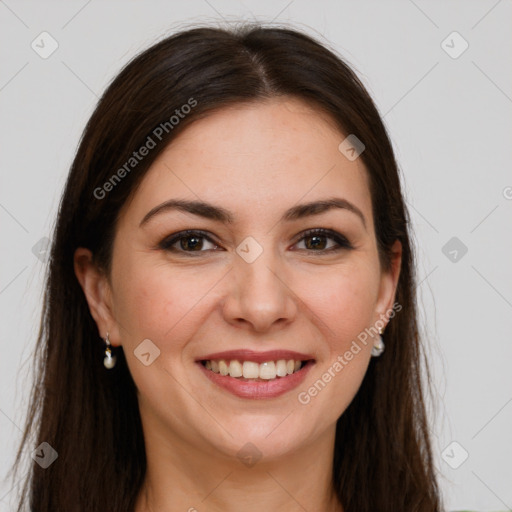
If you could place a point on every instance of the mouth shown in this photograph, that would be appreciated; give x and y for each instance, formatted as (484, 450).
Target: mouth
(249, 374)
(251, 371)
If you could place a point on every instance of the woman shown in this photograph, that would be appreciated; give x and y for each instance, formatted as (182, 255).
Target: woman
(231, 245)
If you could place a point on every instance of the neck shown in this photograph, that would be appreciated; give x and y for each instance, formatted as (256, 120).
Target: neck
(186, 476)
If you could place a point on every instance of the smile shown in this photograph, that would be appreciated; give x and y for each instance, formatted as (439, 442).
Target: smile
(248, 374)
(252, 371)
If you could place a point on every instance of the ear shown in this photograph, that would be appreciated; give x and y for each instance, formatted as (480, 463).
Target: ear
(388, 283)
(98, 294)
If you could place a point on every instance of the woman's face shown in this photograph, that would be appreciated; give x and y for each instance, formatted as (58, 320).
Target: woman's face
(253, 285)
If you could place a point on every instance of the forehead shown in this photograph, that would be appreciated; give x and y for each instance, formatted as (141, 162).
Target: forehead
(258, 158)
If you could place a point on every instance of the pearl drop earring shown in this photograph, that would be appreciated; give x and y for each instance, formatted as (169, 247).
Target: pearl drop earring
(378, 346)
(110, 360)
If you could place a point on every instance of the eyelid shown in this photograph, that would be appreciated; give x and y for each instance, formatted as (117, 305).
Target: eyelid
(342, 241)
(167, 243)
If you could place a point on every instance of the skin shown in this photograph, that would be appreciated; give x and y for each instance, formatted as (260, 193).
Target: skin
(256, 161)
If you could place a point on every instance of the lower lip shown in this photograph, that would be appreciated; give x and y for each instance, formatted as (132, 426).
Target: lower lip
(258, 390)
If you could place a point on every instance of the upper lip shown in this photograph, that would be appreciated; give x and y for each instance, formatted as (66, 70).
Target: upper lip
(257, 357)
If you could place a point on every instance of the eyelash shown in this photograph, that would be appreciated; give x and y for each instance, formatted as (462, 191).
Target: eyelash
(343, 243)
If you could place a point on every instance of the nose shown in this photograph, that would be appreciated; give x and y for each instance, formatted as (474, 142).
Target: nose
(259, 298)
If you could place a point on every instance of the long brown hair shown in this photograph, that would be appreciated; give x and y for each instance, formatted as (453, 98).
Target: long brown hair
(90, 416)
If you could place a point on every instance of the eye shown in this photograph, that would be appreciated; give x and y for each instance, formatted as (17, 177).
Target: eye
(315, 239)
(187, 241)
(190, 241)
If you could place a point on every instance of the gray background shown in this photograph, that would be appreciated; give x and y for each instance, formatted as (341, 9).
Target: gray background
(450, 122)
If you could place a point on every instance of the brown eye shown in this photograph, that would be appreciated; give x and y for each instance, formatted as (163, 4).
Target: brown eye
(192, 242)
(187, 241)
(316, 240)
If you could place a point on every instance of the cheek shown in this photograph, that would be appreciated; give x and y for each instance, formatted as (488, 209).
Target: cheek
(158, 304)
(344, 303)
(346, 310)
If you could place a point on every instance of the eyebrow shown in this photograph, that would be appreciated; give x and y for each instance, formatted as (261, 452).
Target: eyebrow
(219, 214)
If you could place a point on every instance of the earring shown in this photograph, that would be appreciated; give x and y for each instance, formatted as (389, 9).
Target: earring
(109, 361)
(378, 346)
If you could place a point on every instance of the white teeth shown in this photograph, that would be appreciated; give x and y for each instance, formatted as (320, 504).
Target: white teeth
(268, 370)
(223, 367)
(235, 368)
(251, 370)
(281, 368)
